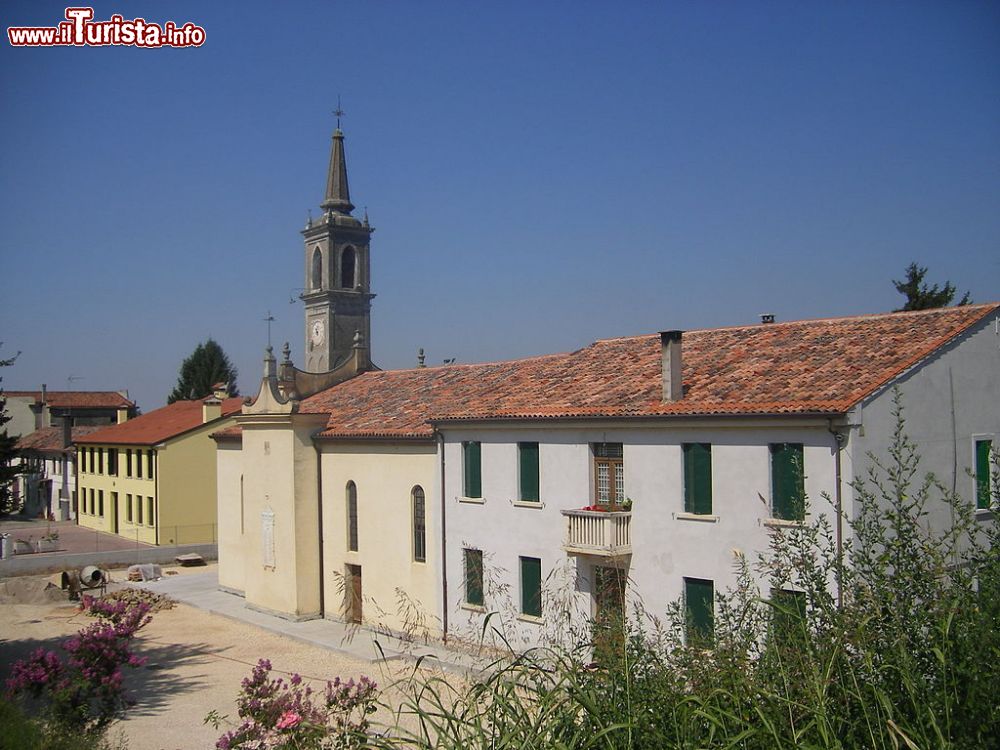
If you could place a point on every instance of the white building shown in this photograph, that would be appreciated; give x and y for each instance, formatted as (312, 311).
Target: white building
(707, 472)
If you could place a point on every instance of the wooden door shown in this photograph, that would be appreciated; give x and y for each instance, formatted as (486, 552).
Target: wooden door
(352, 594)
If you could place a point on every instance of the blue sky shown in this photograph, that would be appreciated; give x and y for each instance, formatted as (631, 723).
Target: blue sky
(540, 174)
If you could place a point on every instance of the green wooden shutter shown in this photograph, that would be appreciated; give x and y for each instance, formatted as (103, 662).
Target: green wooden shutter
(531, 586)
(787, 481)
(528, 461)
(698, 478)
(788, 616)
(474, 577)
(983, 473)
(473, 469)
(699, 601)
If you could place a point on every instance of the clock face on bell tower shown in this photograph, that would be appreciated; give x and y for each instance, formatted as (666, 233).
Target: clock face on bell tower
(317, 334)
(337, 293)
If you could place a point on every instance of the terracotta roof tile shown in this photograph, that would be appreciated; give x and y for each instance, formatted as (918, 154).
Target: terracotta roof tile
(160, 424)
(50, 439)
(803, 367)
(77, 399)
(232, 432)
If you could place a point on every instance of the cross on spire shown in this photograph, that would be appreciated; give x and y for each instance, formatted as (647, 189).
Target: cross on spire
(339, 112)
(269, 319)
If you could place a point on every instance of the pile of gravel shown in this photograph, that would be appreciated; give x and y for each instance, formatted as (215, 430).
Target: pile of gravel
(156, 602)
(30, 591)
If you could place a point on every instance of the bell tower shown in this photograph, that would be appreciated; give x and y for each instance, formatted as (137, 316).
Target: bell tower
(337, 284)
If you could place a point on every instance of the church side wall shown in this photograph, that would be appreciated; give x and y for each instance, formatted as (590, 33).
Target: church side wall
(231, 515)
(397, 592)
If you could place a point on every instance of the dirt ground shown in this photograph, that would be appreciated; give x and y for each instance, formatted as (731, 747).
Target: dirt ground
(196, 661)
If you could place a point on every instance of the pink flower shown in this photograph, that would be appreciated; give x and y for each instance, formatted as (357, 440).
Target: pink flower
(288, 720)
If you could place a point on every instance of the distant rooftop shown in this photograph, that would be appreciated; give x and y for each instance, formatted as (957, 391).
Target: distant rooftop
(76, 399)
(159, 425)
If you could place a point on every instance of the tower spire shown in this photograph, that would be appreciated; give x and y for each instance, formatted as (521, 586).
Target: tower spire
(338, 196)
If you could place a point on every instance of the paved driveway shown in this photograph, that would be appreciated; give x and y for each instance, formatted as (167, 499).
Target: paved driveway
(72, 538)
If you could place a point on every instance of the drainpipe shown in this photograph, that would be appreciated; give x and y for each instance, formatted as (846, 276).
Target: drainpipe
(319, 516)
(840, 439)
(444, 547)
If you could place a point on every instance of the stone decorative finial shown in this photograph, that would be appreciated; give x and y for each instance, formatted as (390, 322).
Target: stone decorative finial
(286, 352)
(359, 340)
(269, 369)
(420, 357)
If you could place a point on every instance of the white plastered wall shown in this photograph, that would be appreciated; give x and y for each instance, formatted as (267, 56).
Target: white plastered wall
(666, 548)
(949, 400)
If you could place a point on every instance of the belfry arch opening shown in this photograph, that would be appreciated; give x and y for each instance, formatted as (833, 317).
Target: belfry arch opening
(347, 264)
(317, 269)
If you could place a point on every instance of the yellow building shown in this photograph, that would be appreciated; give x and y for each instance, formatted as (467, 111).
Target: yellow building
(153, 478)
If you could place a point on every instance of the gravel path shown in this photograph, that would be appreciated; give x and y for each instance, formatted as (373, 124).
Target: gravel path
(196, 663)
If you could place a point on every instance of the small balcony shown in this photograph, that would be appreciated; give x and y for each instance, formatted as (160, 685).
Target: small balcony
(600, 533)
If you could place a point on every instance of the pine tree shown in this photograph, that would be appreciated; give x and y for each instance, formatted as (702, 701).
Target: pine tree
(921, 297)
(8, 450)
(206, 366)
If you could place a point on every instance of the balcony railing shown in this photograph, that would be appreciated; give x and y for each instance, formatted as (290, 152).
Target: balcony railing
(594, 532)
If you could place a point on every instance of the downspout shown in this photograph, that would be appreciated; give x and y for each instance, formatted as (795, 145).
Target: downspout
(319, 516)
(444, 547)
(155, 468)
(840, 438)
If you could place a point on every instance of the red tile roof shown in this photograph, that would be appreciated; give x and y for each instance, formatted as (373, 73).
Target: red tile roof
(50, 439)
(77, 399)
(803, 367)
(160, 424)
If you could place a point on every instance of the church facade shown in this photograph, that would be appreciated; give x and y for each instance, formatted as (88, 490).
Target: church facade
(427, 500)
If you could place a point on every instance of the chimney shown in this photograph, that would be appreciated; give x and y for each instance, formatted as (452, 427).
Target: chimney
(221, 390)
(766, 318)
(122, 414)
(44, 418)
(670, 347)
(211, 409)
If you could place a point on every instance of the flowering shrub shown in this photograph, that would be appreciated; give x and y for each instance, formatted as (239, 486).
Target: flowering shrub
(279, 715)
(83, 690)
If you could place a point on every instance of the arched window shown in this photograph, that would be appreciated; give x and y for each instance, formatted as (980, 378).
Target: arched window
(352, 517)
(317, 270)
(347, 268)
(419, 524)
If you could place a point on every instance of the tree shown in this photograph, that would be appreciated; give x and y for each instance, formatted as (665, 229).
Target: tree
(206, 366)
(921, 297)
(8, 450)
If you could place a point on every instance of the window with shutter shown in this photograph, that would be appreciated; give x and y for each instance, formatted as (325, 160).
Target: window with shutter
(474, 577)
(983, 473)
(698, 478)
(787, 481)
(528, 467)
(472, 469)
(699, 605)
(531, 586)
